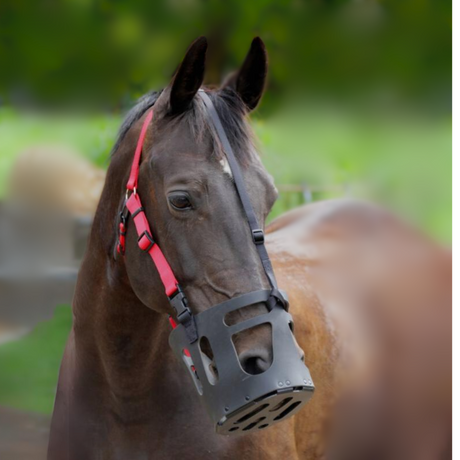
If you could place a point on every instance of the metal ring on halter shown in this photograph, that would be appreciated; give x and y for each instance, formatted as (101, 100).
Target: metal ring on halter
(127, 192)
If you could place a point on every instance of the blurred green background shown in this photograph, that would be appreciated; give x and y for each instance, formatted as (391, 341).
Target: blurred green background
(358, 104)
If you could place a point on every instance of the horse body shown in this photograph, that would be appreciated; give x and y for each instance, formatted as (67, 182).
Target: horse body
(372, 301)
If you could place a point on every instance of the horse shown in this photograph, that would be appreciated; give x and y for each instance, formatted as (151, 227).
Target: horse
(121, 392)
(384, 291)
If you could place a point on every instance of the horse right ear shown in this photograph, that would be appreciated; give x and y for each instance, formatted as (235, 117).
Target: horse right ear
(189, 76)
(249, 81)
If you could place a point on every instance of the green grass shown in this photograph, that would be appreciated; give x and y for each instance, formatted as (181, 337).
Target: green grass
(29, 366)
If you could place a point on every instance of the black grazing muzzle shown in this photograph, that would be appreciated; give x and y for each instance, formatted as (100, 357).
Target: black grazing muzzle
(239, 402)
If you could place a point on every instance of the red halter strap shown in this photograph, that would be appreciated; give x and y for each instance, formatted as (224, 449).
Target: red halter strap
(132, 181)
(146, 242)
(134, 207)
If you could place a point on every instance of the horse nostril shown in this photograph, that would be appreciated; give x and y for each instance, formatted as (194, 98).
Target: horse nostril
(254, 363)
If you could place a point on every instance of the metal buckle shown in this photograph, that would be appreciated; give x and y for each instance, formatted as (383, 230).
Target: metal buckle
(149, 237)
(258, 236)
(134, 191)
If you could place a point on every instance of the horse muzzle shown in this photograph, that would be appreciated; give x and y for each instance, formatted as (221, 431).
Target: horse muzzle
(236, 401)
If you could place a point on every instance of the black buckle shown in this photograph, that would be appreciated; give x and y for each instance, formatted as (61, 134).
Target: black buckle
(258, 236)
(179, 302)
(149, 237)
(124, 213)
(278, 297)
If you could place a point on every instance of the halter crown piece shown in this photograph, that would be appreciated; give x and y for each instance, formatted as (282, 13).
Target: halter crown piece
(237, 402)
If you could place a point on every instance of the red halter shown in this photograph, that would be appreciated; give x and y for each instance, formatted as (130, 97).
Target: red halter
(134, 206)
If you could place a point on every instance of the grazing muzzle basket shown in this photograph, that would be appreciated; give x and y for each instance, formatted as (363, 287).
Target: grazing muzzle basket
(239, 402)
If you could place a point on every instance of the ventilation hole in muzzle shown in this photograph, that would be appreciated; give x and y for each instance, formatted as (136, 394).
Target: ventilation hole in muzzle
(263, 426)
(288, 410)
(244, 313)
(291, 326)
(207, 356)
(234, 428)
(254, 348)
(281, 404)
(251, 414)
(192, 370)
(253, 424)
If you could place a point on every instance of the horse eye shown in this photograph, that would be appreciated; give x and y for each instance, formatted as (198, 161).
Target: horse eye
(180, 201)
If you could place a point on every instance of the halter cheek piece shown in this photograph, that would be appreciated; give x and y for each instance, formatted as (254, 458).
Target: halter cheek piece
(237, 402)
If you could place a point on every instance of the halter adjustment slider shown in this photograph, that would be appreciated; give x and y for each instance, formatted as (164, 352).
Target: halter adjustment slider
(258, 236)
(145, 241)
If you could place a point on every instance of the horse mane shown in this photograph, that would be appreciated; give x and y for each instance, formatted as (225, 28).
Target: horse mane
(230, 108)
(143, 104)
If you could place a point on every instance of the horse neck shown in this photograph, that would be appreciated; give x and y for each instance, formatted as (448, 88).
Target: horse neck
(115, 333)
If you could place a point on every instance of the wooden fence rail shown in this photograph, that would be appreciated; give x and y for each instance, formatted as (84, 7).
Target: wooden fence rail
(306, 191)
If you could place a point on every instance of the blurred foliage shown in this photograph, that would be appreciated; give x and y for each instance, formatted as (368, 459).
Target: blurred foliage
(104, 53)
(403, 162)
(30, 366)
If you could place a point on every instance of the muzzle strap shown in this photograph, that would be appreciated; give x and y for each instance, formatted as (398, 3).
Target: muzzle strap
(258, 236)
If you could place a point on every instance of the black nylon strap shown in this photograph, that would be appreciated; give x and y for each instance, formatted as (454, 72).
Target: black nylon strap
(256, 230)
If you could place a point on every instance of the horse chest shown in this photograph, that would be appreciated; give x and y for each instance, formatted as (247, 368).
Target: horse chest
(171, 422)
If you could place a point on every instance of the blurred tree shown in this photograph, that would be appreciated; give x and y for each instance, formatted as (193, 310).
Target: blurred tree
(104, 53)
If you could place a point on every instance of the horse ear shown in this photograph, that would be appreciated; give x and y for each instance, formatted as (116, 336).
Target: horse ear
(249, 81)
(189, 76)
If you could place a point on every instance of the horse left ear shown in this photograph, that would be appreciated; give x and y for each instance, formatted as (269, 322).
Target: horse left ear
(249, 81)
(189, 77)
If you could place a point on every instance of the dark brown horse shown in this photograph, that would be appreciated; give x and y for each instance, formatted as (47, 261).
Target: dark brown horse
(121, 393)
